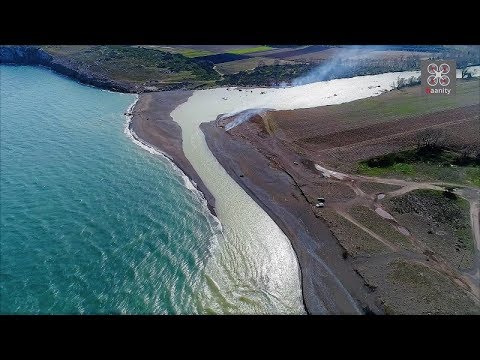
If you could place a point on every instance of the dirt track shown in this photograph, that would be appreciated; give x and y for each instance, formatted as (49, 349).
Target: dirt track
(472, 195)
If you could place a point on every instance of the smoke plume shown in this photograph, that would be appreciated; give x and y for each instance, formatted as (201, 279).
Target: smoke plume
(335, 67)
(243, 116)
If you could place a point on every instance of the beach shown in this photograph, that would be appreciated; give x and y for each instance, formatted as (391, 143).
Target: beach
(254, 251)
(151, 123)
(329, 283)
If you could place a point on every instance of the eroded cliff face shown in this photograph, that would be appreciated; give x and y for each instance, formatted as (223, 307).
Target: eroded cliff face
(34, 55)
(24, 55)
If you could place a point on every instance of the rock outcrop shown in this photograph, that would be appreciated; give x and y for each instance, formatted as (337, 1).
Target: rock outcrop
(34, 55)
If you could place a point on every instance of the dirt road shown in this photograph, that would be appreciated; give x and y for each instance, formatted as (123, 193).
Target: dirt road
(470, 280)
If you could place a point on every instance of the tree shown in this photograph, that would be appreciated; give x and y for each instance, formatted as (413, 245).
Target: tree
(431, 139)
(466, 74)
(469, 155)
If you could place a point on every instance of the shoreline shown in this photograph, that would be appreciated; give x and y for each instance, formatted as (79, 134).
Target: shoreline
(329, 284)
(324, 281)
(152, 126)
(18, 55)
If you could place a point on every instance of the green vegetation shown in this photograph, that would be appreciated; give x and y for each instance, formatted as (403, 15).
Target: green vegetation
(430, 291)
(346, 67)
(405, 103)
(155, 65)
(374, 222)
(354, 240)
(441, 220)
(192, 53)
(411, 81)
(405, 169)
(473, 176)
(268, 75)
(137, 64)
(427, 161)
(233, 67)
(250, 50)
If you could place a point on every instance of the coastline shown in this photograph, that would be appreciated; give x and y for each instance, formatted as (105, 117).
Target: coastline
(35, 56)
(152, 126)
(155, 128)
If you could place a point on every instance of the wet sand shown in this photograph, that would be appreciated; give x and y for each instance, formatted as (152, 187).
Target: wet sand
(152, 123)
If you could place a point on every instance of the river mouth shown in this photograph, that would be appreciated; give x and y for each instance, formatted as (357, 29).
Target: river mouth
(254, 268)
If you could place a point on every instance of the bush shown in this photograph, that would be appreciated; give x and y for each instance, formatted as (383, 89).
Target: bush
(411, 81)
(450, 195)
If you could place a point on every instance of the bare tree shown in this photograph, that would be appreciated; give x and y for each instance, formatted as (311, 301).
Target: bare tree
(466, 73)
(431, 139)
(470, 150)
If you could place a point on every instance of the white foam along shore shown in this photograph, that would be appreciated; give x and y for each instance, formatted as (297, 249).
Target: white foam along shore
(189, 183)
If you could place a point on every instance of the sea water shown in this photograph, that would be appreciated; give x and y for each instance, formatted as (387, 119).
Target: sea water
(90, 222)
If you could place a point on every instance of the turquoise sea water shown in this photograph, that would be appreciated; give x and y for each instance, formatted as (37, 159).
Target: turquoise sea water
(90, 222)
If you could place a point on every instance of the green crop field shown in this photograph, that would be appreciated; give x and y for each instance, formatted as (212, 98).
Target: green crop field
(407, 102)
(250, 50)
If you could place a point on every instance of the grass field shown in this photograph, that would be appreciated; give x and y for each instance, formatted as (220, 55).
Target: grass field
(345, 135)
(309, 124)
(185, 51)
(137, 64)
(380, 226)
(355, 241)
(375, 188)
(400, 168)
(250, 50)
(441, 222)
(473, 176)
(192, 53)
(233, 67)
(432, 293)
(406, 103)
(469, 175)
(436, 165)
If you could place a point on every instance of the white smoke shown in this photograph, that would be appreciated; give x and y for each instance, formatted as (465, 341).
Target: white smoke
(244, 116)
(334, 67)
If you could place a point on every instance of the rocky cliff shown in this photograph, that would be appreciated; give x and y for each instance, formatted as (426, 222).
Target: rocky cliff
(34, 55)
